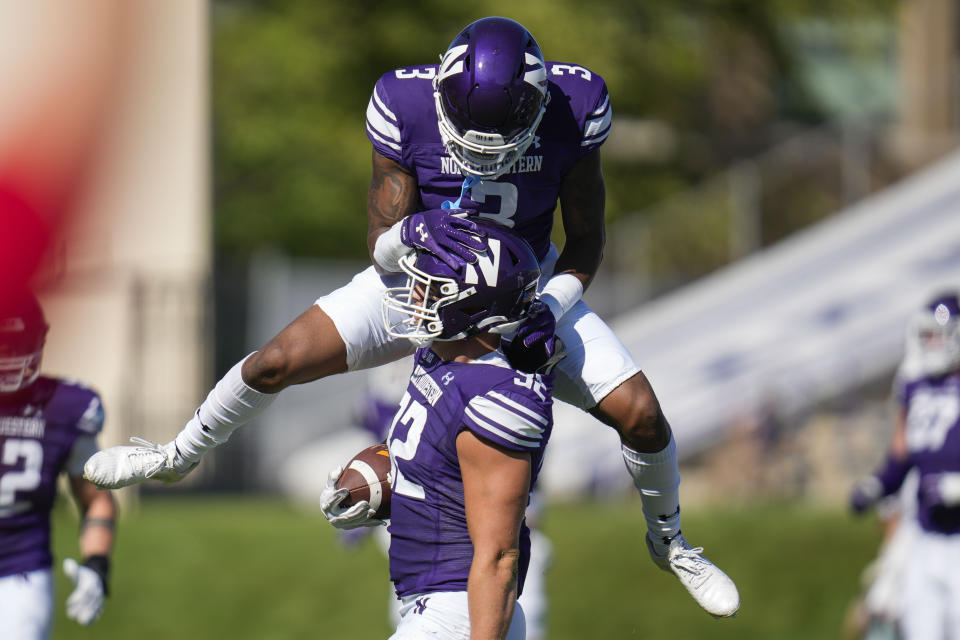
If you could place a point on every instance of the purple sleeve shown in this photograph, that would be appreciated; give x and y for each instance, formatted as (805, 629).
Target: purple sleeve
(586, 94)
(508, 418)
(597, 125)
(893, 473)
(78, 405)
(91, 421)
(383, 127)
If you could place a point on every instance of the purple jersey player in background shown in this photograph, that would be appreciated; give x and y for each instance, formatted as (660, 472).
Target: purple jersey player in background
(47, 426)
(927, 439)
(465, 445)
(493, 132)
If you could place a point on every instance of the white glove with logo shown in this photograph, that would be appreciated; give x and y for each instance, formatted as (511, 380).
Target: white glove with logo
(85, 604)
(122, 466)
(357, 515)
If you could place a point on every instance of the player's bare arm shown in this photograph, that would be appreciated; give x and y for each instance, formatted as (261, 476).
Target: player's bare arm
(91, 578)
(392, 196)
(582, 202)
(98, 512)
(496, 482)
(898, 441)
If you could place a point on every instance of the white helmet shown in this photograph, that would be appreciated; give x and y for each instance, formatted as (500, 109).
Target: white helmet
(933, 339)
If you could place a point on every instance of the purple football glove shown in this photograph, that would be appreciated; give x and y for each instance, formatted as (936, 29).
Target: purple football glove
(443, 234)
(534, 348)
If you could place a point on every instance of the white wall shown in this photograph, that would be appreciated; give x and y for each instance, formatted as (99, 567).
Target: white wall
(125, 293)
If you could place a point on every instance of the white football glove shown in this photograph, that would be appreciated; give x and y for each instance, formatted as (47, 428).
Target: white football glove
(85, 604)
(122, 466)
(357, 515)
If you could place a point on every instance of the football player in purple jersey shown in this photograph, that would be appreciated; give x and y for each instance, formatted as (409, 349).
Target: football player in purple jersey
(385, 388)
(927, 440)
(498, 132)
(47, 426)
(465, 444)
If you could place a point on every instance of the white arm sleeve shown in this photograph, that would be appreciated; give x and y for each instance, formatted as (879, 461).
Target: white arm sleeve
(561, 293)
(950, 489)
(230, 404)
(388, 249)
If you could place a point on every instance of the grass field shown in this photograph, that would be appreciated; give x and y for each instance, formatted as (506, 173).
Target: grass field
(244, 567)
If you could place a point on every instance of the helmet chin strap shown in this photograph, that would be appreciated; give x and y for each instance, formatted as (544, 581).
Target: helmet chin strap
(468, 183)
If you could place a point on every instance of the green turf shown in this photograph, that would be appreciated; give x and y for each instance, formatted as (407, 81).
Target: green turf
(246, 567)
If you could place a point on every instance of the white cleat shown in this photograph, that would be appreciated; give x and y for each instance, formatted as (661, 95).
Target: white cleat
(710, 587)
(123, 466)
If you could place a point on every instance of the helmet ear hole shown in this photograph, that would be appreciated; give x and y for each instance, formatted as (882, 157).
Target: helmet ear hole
(472, 301)
(473, 311)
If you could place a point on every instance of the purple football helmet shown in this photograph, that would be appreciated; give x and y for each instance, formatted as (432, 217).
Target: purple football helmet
(23, 330)
(490, 93)
(438, 303)
(933, 337)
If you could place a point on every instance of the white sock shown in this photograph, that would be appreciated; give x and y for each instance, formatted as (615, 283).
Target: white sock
(657, 477)
(229, 404)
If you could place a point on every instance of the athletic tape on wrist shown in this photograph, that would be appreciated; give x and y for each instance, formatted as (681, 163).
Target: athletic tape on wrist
(388, 249)
(101, 564)
(561, 293)
(950, 489)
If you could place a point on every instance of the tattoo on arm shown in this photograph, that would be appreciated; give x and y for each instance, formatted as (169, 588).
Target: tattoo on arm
(392, 196)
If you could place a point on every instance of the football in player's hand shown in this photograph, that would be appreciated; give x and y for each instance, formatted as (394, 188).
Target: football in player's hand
(367, 477)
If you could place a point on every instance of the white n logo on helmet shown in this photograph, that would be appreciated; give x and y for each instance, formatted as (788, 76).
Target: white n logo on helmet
(538, 75)
(451, 64)
(489, 264)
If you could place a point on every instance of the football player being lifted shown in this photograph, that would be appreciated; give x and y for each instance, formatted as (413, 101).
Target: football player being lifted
(47, 426)
(497, 131)
(927, 439)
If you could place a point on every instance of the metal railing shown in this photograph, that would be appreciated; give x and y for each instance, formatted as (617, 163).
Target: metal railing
(752, 204)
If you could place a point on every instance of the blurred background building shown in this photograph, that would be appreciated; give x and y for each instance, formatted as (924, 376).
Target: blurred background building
(104, 140)
(781, 192)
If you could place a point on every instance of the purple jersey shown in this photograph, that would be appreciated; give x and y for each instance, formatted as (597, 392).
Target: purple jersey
(932, 408)
(38, 427)
(402, 125)
(430, 548)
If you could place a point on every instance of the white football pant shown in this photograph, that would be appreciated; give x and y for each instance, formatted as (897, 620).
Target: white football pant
(26, 605)
(596, 361)
(931, 589)
(446, 615)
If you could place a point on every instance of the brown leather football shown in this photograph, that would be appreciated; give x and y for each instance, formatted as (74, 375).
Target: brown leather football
(367, 477)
